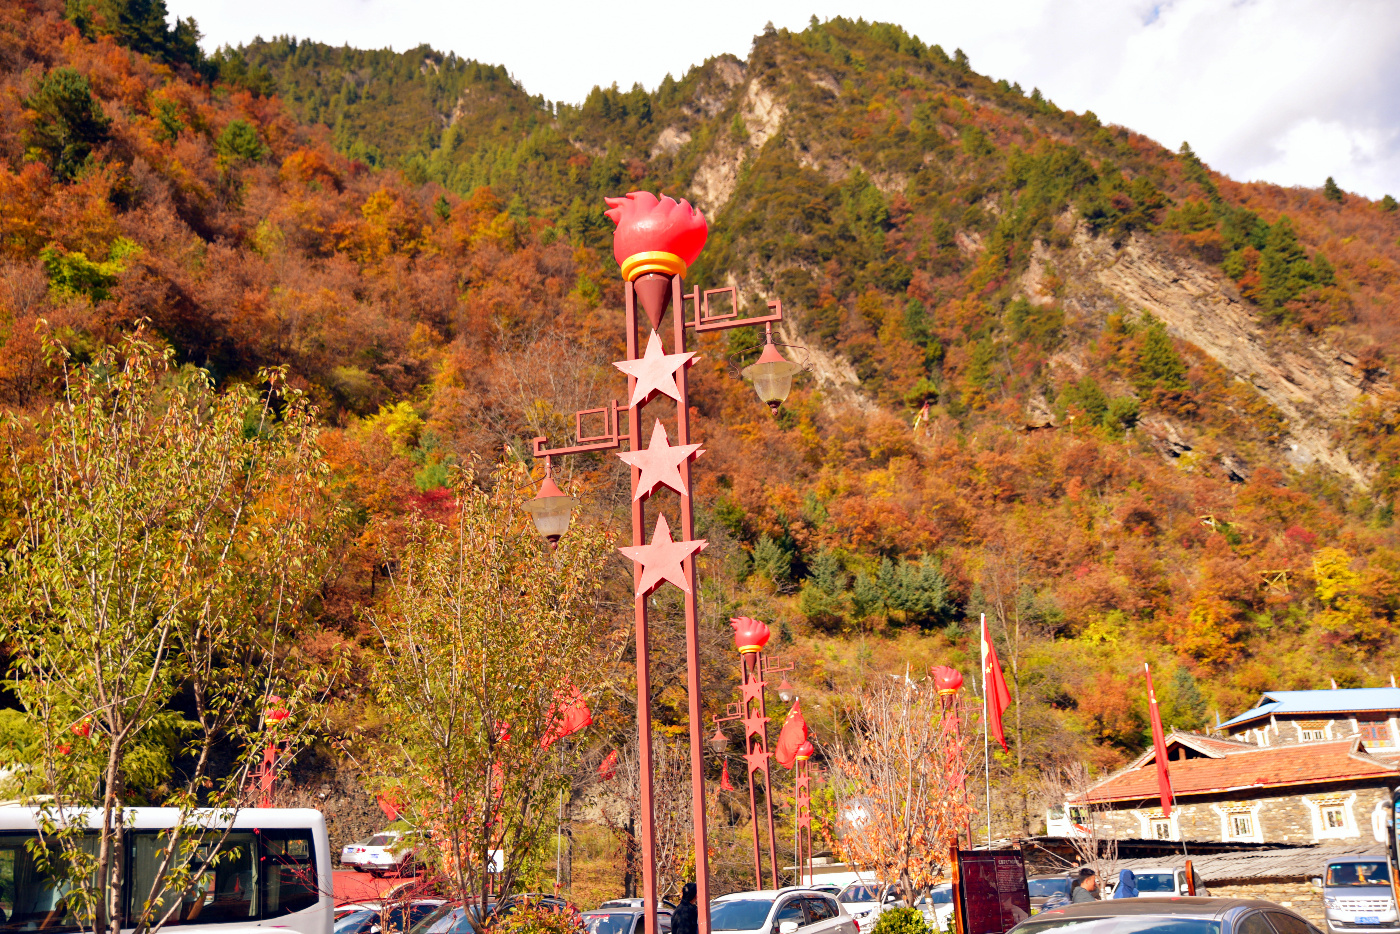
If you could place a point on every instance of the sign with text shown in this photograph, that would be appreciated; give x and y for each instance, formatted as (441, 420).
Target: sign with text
(992, 892)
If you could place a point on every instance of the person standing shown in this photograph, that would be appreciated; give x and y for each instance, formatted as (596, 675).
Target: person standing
(685, 919)
(1127, 885)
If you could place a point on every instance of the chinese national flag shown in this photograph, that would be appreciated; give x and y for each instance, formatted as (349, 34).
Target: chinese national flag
(994, 694)
(1159, 747)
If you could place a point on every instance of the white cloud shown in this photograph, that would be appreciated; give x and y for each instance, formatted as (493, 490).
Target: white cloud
(1288, 91)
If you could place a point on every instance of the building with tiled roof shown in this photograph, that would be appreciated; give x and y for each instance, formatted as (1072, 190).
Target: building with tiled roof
(1234, 791)
(1311, 716)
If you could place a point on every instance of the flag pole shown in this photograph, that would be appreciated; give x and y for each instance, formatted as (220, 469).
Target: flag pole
(986, 737)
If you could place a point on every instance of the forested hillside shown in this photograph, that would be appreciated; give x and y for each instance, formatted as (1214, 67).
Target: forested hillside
(1155, 412)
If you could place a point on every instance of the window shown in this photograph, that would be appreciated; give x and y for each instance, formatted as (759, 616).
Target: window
(289, 872)
(1242, 825)
(1286, 923)
(1254, 923)
(790, 911)
(1161, 829)
(1375, 731)
(1334, 817)
(1357, 873)
(820, 909)
(1310, 736)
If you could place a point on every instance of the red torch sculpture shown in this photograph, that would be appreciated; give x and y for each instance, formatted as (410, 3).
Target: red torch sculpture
(275, 714)
(656, 241)
(750, 636)
(949, 681)
(803, 806)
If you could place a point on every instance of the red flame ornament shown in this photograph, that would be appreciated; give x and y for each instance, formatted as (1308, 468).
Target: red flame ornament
(947, 680)
(806, 751)
(749, 634)
(653, 234)
(793, 735)
(276, 711)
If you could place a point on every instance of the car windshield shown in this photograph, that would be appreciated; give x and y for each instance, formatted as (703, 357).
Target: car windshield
(1156, 882)
(1358, 874)
(426, 923)
(608, 922)
(1044, 888)
(742, 914)
(860, 893)
(353, 920)
(382, 839)
(1119, 924)
(941, 896)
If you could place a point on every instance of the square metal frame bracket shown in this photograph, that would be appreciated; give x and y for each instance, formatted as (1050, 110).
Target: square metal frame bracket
(703, 321)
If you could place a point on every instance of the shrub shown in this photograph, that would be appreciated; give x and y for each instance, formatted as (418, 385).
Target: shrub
(901, 921)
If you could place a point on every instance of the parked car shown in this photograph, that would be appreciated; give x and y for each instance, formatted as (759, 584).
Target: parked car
(781, 911)
(937, 907)
(1356, 895)
(1159, 880)
(634, 903)
(865, 900)
(374, 918)
(385, 852)
(449, 919)
(826, 887)
(534, 899)
(1168, 915)
(1043, 888)
(623, 920)
(352, 853)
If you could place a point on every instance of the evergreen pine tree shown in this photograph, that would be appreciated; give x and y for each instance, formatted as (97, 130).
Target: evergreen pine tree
(1331, 191)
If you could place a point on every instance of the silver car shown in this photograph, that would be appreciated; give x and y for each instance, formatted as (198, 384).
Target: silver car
(1168, 915)
(1356, 895)
(781, 911)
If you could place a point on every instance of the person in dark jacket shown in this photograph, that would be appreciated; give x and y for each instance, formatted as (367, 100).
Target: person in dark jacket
(684, 920)
(1085, 886)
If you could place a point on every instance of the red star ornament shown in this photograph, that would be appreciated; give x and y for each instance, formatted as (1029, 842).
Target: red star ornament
(660, 463)
(655, 371)
(752, 691)
(756, 760)
(661, 560)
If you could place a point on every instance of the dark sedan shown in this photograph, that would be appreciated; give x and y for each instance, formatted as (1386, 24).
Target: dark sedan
(1169, 915)
(623, 920)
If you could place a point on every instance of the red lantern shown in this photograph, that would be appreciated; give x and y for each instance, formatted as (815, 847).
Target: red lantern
(749, 634)
(806, 751)
(947, 680)
(655, 235)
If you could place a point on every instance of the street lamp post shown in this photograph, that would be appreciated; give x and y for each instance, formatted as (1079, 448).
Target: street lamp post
(655, 242)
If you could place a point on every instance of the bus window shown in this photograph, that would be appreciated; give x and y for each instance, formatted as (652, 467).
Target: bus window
(225, 887)
(289, 872)
(30, 899)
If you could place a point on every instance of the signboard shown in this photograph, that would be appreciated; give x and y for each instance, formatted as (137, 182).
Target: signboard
(991, 890)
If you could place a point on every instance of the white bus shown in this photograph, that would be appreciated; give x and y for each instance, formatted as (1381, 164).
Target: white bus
(278, 875)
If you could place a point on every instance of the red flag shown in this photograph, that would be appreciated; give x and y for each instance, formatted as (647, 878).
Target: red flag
(995, 697)
(568, 714)
(1159, 747)
(794, 734)
(724, 782)
(608, 767)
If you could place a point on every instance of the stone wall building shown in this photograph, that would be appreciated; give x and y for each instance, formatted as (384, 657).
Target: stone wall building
(1230, 791)
(1283, 717)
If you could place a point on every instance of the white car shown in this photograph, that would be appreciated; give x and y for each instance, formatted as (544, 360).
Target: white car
(865, 900)
(380, 854)
(937, 907)
(781, 911)
(1159, 880)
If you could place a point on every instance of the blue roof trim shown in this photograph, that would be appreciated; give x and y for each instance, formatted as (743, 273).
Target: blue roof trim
(1343, 700)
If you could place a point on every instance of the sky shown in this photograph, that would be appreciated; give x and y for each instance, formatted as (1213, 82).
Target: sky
(1285, 91)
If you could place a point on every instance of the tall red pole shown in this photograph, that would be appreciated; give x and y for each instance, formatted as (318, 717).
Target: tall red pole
(692, 632)
(639, 533)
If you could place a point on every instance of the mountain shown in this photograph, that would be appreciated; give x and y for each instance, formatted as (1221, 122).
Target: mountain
(1058, 373)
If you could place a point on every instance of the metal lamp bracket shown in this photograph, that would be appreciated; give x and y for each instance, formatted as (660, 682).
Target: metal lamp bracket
(703, 321)
(608, 440)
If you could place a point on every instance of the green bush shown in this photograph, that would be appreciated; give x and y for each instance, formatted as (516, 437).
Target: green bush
(531, 919)
(901, 921)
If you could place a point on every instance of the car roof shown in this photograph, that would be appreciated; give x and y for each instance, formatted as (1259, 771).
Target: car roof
(1179, 905)
(622, 910)
(1356, 859)
(769, 893)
